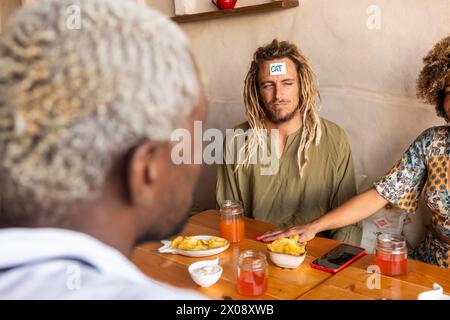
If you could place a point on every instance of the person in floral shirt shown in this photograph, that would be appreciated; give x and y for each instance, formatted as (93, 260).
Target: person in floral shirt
(423, 169)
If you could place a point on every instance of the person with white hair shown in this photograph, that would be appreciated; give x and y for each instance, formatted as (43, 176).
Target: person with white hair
(86, 116)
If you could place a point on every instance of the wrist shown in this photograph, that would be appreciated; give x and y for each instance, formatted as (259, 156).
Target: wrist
(316, 226)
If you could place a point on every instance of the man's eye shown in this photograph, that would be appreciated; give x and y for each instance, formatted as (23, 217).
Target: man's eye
(447, 93)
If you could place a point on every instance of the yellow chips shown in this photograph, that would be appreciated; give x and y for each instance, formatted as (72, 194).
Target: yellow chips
(288, 246)
(195, 244)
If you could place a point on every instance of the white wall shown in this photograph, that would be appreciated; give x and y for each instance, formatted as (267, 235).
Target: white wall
(7, 8)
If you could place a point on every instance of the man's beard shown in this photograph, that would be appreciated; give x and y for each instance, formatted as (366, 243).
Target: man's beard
(277, 120)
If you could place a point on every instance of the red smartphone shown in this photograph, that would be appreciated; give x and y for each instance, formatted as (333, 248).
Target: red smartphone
(338, 258)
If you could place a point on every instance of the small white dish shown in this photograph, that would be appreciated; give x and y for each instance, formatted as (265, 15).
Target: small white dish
(286, 260)
(436, 294)
(206, 273)
(192, 253)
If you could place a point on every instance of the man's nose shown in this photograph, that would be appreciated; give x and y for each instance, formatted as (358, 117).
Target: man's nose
(278, 92)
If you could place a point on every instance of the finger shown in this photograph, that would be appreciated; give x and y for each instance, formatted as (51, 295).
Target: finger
(283, 234)
(305, 237)
(302, 238)
(266, 238)
(269, 234)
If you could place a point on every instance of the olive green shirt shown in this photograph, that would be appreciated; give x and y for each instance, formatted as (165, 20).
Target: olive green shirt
(285, 199)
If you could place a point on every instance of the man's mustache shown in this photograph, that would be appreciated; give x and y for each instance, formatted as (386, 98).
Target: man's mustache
(280, 102)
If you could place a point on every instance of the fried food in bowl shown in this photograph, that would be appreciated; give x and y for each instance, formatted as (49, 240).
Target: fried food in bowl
(287, 252)
(195, 244)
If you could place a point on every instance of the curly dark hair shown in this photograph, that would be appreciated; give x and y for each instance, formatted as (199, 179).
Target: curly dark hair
(432, 78)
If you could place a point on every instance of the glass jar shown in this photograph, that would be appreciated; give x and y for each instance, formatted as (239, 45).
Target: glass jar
(232, 221)
(391, 254)
(252, 273)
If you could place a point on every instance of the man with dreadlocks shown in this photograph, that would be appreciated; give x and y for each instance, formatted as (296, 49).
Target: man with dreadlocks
(315, 169)
(423, 169)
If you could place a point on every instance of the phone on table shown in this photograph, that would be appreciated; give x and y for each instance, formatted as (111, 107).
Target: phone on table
(338, 258)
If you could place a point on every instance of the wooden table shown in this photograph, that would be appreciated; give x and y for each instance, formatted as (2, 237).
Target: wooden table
(303, 283)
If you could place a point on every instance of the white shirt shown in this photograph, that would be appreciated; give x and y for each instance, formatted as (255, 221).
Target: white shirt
(63, 264)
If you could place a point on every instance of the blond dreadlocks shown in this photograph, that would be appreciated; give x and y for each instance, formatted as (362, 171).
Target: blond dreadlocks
(310, 130)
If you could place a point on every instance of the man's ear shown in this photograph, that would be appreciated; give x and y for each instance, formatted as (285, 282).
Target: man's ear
(144, 166)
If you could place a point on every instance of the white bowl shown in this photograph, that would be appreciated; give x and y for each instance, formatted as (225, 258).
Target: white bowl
(205, 281)
(286, 260)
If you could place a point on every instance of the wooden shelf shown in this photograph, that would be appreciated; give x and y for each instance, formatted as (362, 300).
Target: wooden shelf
(237, 11)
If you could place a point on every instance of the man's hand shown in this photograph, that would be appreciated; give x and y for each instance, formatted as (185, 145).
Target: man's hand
(306, 232)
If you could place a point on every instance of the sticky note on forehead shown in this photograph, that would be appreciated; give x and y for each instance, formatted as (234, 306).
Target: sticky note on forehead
(277, 68)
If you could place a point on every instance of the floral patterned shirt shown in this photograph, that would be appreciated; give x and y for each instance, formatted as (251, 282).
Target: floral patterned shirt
(424, 168)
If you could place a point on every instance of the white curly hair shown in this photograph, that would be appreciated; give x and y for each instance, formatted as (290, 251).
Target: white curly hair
(73, 100)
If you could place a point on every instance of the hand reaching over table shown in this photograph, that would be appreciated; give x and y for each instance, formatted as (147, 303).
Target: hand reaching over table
(305, 232)
(356, 209)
